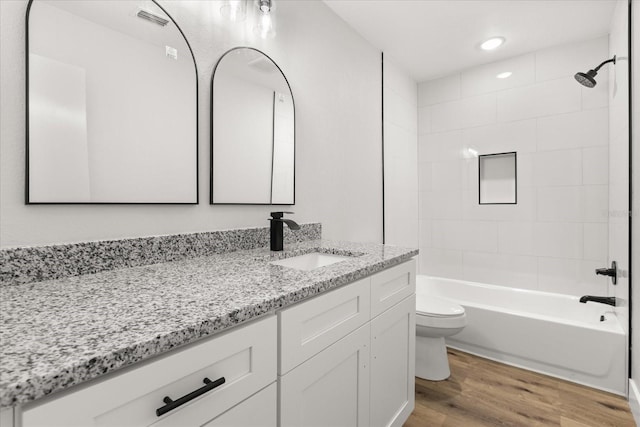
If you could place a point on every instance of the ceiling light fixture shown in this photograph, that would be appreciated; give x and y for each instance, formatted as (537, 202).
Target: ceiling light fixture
(492, 43)
(265, 28)
(504, 75)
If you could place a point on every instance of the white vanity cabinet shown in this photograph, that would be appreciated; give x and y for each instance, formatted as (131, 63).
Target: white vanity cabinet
(347, 357)
(343, 358)
(245, 357)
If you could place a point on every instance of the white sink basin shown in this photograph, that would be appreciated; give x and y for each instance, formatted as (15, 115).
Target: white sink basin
(310, 261)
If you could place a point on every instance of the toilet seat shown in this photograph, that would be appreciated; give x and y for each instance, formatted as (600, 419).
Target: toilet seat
(438, 312)
(428, 305)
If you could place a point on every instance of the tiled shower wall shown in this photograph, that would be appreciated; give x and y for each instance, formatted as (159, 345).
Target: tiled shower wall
(400, 147)
(556, 234)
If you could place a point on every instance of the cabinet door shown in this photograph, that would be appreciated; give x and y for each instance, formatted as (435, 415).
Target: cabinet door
(393, 341)
(392, 285)
(311, 326)
(331, 388)
(260, 410)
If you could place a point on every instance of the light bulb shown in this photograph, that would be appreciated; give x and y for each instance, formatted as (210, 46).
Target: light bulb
(265, 29)
(492, 43)
(234, 10)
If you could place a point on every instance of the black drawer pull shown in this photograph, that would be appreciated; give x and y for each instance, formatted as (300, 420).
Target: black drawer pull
(173, 404)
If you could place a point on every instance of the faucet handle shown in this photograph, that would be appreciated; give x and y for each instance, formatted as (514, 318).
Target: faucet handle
(279, 215)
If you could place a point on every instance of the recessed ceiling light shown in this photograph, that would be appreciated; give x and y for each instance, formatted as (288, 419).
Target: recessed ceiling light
(492, 43)
(504, 75)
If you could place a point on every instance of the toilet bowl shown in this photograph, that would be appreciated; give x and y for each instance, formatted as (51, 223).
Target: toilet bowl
(436, 318)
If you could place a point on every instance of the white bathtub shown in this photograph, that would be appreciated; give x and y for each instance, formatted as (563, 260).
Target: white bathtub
(544, 332)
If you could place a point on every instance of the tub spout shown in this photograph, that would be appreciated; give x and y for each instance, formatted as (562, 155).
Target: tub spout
(602, 300)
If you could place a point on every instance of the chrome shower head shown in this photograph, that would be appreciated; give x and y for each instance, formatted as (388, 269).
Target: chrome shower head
(588, 79)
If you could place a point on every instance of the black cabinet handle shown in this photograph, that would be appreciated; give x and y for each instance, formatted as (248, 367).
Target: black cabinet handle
(171, 404)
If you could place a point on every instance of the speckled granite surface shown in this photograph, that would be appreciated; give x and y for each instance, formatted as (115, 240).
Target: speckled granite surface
(35, 264)
(62, 332)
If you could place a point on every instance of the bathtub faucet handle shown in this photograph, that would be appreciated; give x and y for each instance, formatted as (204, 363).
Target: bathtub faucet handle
(611, 272)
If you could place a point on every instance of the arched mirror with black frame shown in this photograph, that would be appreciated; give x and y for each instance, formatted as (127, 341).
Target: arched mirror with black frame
(112, 105)
(252, 131)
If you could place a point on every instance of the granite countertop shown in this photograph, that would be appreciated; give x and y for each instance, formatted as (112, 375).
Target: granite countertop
(59, 333)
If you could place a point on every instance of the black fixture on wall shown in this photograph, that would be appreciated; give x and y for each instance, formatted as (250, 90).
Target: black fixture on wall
(588, 79)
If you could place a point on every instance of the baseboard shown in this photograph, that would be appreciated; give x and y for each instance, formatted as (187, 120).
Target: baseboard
(634, 401)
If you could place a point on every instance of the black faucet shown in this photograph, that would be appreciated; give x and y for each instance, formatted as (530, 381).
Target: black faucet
(602, 300)
(277, 229)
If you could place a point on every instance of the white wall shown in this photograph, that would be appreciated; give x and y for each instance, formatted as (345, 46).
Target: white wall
(400, 152)
(556, 235)
(335, 77)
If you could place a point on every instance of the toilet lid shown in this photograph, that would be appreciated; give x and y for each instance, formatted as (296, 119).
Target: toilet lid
(434, 306)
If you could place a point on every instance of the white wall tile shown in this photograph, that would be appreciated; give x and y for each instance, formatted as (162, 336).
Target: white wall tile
(447, 175)
(441, 263)
(441, 205)
(424, 120)
(402, 233)
(440, 146)
(557, 234)
(569, 277)
(581, 129)
(558, 239)
(479, 236)
(567, 59)
(598, 96)
(515, 271)
(542, 99)
(560, 203)
(596, 243)
(516, 238)
(558, 168)
(400, 158)
(524, 210)
(425, 233)
(399, 111)
(467, 112)
(425, 176)
(400, 82)
(525, 162)
(439, 90)
(479, 110)
(595, 166)
(517, 136)
(482, 79)
(595, 203)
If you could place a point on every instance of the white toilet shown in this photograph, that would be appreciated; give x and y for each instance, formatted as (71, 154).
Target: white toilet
(436, 318)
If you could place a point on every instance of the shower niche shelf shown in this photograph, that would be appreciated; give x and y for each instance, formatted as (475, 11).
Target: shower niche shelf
(497, 179)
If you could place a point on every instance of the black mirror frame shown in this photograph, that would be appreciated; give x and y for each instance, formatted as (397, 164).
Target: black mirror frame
(26, 193)
(213, 74)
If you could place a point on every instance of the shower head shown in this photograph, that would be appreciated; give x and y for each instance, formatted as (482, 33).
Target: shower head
(588, 79)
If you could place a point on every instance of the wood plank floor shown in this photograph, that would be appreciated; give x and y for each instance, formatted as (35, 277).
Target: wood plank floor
(481, 392)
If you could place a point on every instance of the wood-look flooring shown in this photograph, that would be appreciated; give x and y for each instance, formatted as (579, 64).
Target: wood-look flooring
(481, 392)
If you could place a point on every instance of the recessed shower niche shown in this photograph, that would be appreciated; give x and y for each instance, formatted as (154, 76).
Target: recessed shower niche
(497, 177)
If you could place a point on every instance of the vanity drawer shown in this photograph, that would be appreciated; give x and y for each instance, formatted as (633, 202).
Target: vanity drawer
(245, 356)
(392, 286)
(311, 326)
